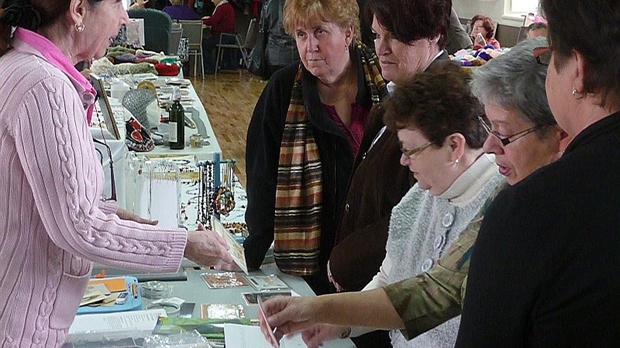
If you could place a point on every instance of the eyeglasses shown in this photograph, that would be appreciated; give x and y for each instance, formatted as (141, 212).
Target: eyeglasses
(415, 151)
(542, 55)
(101, 159)
(505, 140)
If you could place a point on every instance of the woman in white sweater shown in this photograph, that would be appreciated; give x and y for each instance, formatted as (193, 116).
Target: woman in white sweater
(435, 119)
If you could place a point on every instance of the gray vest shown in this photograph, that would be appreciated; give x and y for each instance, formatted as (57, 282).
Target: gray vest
(422, 228)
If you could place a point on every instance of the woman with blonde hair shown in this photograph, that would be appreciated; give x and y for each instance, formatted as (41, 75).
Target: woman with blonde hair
(303, 137)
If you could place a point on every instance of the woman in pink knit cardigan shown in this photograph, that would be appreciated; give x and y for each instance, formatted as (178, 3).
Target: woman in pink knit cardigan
(52, 222)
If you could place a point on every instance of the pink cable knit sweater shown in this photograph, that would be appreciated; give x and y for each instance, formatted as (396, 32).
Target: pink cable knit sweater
(52, 223)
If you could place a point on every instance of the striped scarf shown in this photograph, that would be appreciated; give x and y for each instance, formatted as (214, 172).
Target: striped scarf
(299, 190)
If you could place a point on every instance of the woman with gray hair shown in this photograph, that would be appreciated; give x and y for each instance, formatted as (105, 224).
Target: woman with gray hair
(512, 90)
(507, 86)
(545, 271)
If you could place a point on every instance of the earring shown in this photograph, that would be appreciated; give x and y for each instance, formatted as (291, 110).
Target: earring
(456, 162)
(576, 94)
(346, 48)
(79, 27)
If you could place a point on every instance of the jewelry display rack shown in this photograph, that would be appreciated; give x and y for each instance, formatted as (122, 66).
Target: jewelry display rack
(217, 191)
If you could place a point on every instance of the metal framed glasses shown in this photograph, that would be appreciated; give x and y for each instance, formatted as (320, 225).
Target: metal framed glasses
(417, 150)
(542, 55)
(508, 139)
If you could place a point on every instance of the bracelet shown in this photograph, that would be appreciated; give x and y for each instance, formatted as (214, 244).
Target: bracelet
(171, 308)
(155, 289)
(346, 333)
(223, 200)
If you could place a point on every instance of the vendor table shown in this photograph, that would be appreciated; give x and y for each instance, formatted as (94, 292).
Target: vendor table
(211, 146)
(210, 151)
(192, 288)
(195, 290)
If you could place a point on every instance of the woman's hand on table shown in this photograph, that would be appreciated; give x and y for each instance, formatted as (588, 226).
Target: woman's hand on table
(222, 265)
(206, 247)
(124, 214)
(287, 314)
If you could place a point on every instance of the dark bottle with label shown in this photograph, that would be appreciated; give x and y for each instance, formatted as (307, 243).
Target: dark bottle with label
(176, 117)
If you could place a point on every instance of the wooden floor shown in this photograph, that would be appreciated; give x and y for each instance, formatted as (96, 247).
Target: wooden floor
(229, 101)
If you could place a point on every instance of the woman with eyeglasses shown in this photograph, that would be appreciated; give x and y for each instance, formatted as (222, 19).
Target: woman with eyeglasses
(420, 303)
(482, 32)
(52, 222)
(435, 118)
(545, 271)
(410, 37)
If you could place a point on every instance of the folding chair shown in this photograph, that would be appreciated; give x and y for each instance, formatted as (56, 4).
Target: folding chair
(175, 38)
(192, 30)
(242, 47)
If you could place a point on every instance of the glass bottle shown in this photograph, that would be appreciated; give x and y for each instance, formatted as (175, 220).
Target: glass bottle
(176, 119)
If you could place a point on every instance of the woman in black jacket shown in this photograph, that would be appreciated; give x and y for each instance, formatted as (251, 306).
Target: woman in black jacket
(303, 137)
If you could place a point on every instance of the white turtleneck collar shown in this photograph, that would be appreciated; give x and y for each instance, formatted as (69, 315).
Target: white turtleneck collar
(468, 184)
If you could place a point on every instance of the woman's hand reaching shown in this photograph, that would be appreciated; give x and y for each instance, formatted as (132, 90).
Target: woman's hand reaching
(222, 265)
(206, 247)
(316, 335)
(287, 315)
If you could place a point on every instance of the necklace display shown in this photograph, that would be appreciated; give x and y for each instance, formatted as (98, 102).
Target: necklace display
(215, 199)
(205, 204)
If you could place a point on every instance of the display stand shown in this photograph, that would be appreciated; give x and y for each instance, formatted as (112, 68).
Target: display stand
(217, 192)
